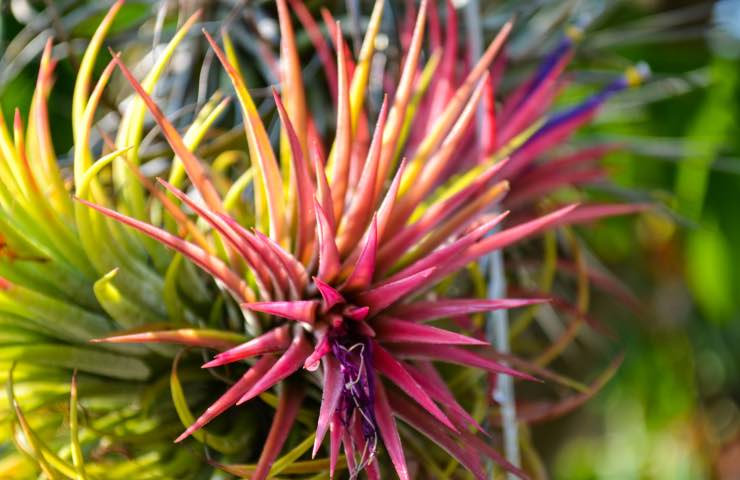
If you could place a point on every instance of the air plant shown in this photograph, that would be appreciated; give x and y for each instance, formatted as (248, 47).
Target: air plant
(325, 282)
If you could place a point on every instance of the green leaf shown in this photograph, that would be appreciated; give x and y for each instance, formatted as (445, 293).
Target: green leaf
(82, 358)
(76, 448)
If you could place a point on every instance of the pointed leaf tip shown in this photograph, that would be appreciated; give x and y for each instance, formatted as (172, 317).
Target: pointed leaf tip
(299, 310)
(330, 295)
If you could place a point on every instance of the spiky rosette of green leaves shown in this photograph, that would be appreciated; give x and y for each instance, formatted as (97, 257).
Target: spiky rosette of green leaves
(325, 281)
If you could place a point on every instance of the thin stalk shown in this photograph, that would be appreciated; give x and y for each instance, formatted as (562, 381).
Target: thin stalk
(497, 326)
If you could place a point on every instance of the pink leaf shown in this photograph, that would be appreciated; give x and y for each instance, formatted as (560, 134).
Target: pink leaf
(386, 206)
(328, 253)
(389, 432)
(227, 231)
(432, 382)
(392, 330)
(275, 340)
(322, 348)
(336, 432)
(200, 257)
(329, 399)
(397, 373)
(330, 295)
(450, 354)
(342, 147)
(229, 398)
(363, 201)
(304, 187)
(185, 336)
(296, 270)
(357, 314)
(591, 212)
(426, 424)
(381, 297)
(289, 403)
(450, 252)
(362, 275)
(323, 191)
(431, 310)
(298, 310)
(513, 234)
(195, 170)
(287, 364)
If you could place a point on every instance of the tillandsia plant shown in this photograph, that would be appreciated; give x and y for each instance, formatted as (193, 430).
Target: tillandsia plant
(323, 263)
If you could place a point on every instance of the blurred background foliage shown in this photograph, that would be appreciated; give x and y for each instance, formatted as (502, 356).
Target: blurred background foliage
(672, 410)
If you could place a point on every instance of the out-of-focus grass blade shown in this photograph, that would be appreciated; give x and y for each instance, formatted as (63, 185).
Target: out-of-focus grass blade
(77, 457)
(82, 358)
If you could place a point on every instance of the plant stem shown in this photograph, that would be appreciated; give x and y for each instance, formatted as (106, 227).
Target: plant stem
(497, 327)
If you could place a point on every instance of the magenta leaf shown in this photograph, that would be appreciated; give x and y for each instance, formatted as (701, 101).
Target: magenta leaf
(275, 340)
(287, 364)
(231, 396)
(391, 368)
(394, 330)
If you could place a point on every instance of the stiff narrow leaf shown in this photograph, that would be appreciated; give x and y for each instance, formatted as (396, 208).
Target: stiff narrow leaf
(460, 356)
(401, 98)
(191, 337)
(336, 431)
(391, 368)
(290, 362)
(196, 171)
(298, 310)
(291, 77)
(431, 381)
(328, 253)
(362, 274)
(446, 119)
(449, 253)
(330, 395)
(513, 234)
(382, 296)
(319, 43)
(303, 185)
(431, 428)
(363, 201)
(276, 340)
(389, 431)
(259, 146)
(323, 191)
(290, 400)
(207, 262)
(395, 330)
(228, 399)
(330, 295)
(432, 310)
(339, 158)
